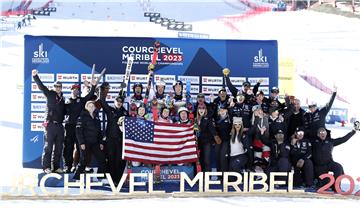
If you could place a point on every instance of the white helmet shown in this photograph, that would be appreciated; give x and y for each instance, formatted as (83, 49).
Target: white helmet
(183, 109)
(159, 83)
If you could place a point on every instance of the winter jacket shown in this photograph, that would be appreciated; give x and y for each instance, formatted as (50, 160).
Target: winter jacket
(55, 104)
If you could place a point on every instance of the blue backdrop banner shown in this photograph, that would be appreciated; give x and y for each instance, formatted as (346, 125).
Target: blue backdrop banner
(70, 59)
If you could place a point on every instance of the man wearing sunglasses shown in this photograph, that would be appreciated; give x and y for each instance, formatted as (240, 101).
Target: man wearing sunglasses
(54, 129)
(245, 90)
(322, 157)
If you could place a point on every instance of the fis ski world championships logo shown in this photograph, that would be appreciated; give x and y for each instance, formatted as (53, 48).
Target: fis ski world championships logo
(35, 139)
(260, 61)
(40, 56)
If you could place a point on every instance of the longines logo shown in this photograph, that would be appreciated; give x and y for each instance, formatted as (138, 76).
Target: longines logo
(40, 56)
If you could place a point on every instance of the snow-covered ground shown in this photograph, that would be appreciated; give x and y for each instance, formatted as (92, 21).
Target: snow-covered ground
(326, 46)
(187, 207)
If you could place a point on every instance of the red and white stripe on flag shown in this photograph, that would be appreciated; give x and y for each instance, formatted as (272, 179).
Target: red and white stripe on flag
(158, 143)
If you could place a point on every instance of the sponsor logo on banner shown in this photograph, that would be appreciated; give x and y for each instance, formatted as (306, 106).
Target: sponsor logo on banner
(210, 89)
(40, 56)
(264, 89)
(338, 112)
(254, 80)
(37, 127)
(66, 87)
(194, 89)
(111, 96)
(260, 60)
(165, 78)
(143, 84)
(34, 87)
(212, 80)
(142, 78)
(38, 97)
(45, 77)
(169, 89)
(194, 98)
(114, 78)
(192, 79)
(237, 81)
(67, 77)
(38, 106)
(88, 77)
(114, 88)
(38, 116)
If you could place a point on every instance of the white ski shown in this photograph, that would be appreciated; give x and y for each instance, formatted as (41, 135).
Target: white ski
(125, 82)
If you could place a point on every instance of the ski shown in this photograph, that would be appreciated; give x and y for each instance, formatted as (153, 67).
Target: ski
(155, 54)
(189, 104)
(154, 109)
(154, 106)
(132, 110)
(151, 69)
(125, 82)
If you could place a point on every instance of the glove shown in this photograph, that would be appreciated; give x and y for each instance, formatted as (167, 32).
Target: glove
(34, 72)
(357, 125)
(217, 140)
(300, 163)
(212, 98)
(122, 93)
(151, 67)
(120, 120)
(157, 44)
(226, 71)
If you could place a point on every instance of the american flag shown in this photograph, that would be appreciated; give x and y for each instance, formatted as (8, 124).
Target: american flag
(158, 143)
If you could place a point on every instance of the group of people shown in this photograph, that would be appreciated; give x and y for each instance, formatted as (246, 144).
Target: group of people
(25, 21)
(248, 131)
